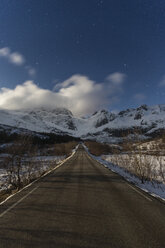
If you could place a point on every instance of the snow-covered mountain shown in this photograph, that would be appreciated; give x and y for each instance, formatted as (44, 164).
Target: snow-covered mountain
(102, 125)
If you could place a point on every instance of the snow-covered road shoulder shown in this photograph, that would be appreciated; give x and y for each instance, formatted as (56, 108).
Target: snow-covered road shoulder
(153, 188)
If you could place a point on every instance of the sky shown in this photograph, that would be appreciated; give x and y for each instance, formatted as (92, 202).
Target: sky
(84, 55)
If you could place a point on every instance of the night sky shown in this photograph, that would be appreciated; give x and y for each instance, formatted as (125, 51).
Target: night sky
(88, 53)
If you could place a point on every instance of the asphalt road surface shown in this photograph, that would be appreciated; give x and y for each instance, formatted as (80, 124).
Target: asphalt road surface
(82, 204)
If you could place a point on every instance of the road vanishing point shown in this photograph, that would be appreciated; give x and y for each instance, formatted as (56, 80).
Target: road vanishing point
(82, 204)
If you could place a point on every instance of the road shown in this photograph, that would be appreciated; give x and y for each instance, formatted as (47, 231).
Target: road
(82, 204)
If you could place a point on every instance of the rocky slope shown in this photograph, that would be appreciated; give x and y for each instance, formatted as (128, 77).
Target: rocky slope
(102, 125)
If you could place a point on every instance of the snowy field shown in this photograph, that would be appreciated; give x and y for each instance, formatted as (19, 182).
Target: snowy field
(149, 166)
(30, 168)
(122, 164)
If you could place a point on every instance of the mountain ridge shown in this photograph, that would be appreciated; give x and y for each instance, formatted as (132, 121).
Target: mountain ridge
(102, 126)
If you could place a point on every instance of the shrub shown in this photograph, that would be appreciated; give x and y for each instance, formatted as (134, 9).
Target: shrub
(99, 149)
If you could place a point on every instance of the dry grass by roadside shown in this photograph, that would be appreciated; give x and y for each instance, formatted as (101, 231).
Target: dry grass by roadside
(144, 159)
(61, 149)
(99, 149)
(64, 148)
(21, 166)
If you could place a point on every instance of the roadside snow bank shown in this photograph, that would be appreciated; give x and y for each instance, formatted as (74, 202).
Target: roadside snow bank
(154, 188)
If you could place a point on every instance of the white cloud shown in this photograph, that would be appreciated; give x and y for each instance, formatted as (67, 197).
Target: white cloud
(83, 94)
(4, 52)
(78, 93)
(28, 95)
(116, 78)
(139, 97)
(31, 71)
(115, 83)
(14, 58)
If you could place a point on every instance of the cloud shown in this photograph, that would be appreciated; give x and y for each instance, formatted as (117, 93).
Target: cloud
(31, 71)
(139, 97)
(14, 58)
(83, 94)
(28, 95)
(117, 78)
(78, 93)
(4, 52)
(115, 83)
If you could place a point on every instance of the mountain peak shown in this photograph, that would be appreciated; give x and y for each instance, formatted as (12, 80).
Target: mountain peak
(102, 125)
(101, 111)
(56, 111)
